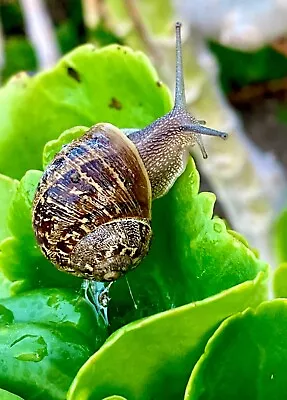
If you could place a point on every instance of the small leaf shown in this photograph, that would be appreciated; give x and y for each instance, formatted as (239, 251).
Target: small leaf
(245, 358)
(152, 358)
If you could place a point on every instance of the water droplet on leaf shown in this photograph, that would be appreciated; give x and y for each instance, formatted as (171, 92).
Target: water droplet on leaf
(191, 178)
(29, 348)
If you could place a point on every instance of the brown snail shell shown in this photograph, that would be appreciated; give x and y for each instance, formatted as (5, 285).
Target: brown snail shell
(92, 209)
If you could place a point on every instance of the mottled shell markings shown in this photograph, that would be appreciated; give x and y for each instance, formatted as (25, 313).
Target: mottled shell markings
(92, 181)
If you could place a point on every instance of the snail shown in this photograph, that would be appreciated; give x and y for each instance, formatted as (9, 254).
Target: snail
(92, 207)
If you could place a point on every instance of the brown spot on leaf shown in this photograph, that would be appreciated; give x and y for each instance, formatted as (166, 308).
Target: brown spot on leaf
(74, 74)
(115, 103)
(159, 83)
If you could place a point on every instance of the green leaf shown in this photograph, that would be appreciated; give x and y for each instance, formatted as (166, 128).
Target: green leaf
(8, 187)
(53, 327)
(280, 236)
(39, 362)
(55, 307)
(4, 395)
(245, 358)
(87, 86)
(193, 256)
(280, 281)
(152, 358)
(20, 211)
(21, 260)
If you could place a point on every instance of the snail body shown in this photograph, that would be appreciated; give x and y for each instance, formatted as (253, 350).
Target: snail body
(92, 208)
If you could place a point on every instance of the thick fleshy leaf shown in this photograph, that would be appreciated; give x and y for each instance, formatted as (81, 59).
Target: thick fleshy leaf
(4, 395)
(245, 358)
(89, 85)
(152, 358)
(55, 307)
(280, 281)
(8, 187)
(39, 362)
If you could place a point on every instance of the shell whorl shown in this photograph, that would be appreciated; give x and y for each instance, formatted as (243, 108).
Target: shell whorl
(112, 249)
(95, 179)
